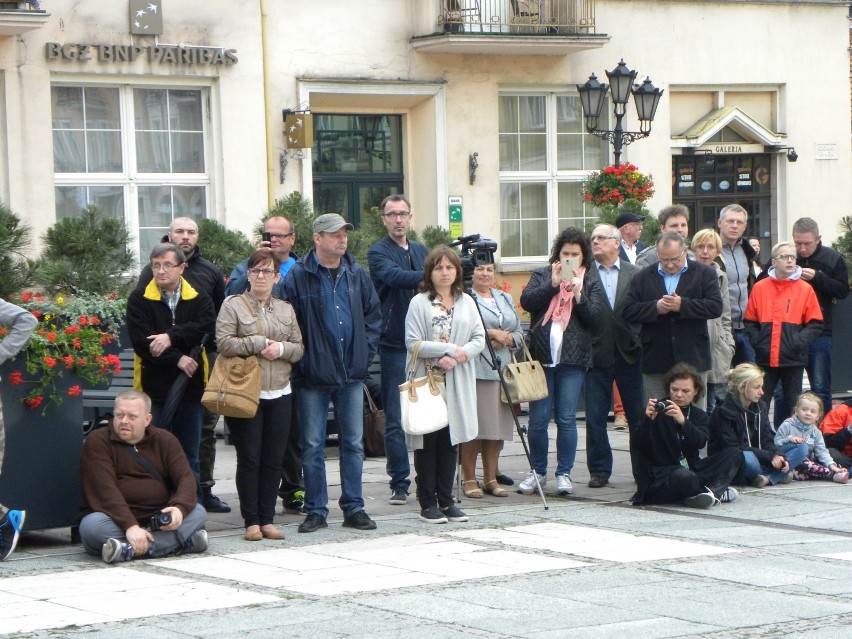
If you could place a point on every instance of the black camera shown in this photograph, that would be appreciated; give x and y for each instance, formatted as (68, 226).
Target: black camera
(159, 519)
(661, 406)
(266, 236)
(475, 251)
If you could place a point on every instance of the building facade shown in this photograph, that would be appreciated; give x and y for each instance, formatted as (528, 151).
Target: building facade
(162, 108)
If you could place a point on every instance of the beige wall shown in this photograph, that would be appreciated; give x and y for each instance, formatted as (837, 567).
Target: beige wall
(449, 102)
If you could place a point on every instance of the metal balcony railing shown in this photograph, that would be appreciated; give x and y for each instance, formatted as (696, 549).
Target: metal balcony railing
(540, 17)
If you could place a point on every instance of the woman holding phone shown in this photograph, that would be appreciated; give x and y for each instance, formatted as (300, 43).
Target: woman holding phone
(563, 306)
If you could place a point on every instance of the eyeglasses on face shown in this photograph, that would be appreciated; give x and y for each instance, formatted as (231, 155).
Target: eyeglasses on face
(280, 236)
(787, 256)
(257, 272)
(601, 238)
(671, 260)
(402, 215)
(166, 268)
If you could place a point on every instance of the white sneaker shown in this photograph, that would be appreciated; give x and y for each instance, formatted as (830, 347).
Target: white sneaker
(564, 485)
(728, 495)
(528, 487)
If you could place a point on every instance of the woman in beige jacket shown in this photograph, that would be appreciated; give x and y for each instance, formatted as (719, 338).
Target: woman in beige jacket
(255, 323)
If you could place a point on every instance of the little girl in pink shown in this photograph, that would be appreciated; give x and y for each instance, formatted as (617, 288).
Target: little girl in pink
(802, 428)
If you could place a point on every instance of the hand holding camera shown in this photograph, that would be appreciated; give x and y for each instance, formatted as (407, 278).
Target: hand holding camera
(664, 406)
(169, 518)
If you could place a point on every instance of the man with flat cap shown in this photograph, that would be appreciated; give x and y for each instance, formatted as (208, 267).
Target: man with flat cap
(630, 226)
(339, 313)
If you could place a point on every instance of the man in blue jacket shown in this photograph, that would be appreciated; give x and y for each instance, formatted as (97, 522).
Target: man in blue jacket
(338, 312)
(396, 268)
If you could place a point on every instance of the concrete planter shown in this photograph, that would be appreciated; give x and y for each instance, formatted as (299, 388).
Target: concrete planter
(42, 458)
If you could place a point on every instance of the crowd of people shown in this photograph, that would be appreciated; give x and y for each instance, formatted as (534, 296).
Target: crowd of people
(688, 339)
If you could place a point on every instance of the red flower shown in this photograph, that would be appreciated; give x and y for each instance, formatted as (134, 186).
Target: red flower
(33, 402)
(84, 320)
(3, 331)
(70, 330)
(36, 314)
(74, 391)
(51, 337)
(76, 343)
(26, 297)
(94, 319)
(81, 362)
(50, 361)
(68, 360)
(15, 378)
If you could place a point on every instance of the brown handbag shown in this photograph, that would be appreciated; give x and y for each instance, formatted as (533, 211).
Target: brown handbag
(525, 380)
(374, 428)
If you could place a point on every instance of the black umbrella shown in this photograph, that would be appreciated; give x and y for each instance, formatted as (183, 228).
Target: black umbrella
(178, 389)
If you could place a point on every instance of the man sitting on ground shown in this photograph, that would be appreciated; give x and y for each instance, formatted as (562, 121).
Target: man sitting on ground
(139, 493)
(836, 429)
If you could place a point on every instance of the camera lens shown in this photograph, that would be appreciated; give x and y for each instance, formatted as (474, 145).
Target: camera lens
(660, 407)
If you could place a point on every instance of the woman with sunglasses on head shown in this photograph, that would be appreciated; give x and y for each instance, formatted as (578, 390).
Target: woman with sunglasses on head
(256, 323)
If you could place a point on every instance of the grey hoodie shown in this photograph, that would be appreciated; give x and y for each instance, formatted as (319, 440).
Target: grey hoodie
(20, 323)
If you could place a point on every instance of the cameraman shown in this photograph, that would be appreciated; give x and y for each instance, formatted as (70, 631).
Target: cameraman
(139, 493)
(667, 444)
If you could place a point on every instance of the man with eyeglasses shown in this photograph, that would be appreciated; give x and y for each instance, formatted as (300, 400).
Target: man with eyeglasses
(396, 268)
(673, 300)
(782, 319)
(825, 270)
(616, 354)
(165, 321)
(737, 257)
(282, 237)
(207, 278)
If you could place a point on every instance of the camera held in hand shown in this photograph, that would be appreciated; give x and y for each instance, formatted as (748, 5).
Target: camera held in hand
(661, 406)
(159, 520)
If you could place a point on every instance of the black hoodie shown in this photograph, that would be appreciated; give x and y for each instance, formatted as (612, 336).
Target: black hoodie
(744, 428)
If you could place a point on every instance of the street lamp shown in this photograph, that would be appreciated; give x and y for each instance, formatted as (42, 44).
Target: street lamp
(646, 97)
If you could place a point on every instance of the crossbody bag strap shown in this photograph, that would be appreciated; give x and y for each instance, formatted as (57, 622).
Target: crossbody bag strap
(146, 465)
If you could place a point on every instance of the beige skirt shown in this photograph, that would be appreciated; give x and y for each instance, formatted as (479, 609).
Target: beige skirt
(495, 417)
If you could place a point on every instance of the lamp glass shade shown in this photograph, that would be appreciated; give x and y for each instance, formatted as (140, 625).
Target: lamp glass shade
(621, 80)
(592, 96)
(647, 98)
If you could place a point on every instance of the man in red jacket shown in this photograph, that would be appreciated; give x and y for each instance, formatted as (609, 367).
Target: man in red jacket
(836, 427)
(782, 318)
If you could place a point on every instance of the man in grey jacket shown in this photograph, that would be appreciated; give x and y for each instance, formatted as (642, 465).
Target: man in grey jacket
(19, 323)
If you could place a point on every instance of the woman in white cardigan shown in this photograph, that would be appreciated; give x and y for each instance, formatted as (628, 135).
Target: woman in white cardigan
(445, 322)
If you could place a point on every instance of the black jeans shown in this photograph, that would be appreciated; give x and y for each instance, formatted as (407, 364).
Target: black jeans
(435, 465)
(790, 378)
(260, 442)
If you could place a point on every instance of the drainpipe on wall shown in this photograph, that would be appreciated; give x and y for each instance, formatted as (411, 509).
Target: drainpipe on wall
(270, 151)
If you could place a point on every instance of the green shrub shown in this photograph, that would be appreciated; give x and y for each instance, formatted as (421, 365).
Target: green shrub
(221, 246)
(433, 236)
(15, 239)
(843, 245)
(86, 253)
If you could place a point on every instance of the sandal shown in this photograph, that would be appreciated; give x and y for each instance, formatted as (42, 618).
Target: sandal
(473, 493)
(494, 488)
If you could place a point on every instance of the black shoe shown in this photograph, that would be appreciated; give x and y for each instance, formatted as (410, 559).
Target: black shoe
(505, 480)
(433, 515)
(598, 481)
(313, 522)
(212, 504)
(398, 497)
(360, 520)
(454, 514)
(706, 499)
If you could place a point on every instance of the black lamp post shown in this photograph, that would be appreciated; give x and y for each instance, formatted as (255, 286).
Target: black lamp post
(645, 96)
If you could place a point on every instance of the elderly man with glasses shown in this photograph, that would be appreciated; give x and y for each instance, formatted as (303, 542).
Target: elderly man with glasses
(673, 300)
(166, 320)
(782, 319)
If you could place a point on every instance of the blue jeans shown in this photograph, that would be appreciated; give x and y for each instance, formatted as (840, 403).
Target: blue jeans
(794, 454)
(186, 426)
(564, 383)
(598, 401)
(819, 370)
(743, 351)
(348, 403)
(392, 361)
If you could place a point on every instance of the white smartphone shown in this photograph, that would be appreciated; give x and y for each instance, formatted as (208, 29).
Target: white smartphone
(570, 268)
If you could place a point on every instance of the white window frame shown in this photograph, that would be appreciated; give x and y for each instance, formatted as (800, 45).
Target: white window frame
(551, 176)
(130, 179)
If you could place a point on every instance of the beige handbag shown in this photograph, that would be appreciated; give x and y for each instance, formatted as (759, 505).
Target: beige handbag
(524, 380)
(233, 389)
